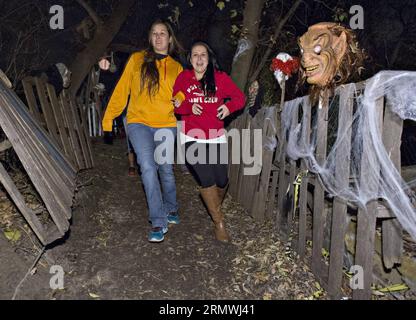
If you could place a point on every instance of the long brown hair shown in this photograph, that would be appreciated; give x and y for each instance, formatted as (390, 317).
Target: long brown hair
(149, 74)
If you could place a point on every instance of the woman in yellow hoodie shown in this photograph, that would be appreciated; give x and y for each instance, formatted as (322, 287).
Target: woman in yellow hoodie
(148, 79)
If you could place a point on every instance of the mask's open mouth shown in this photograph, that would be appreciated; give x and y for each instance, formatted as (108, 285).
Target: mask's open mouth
(311, 69)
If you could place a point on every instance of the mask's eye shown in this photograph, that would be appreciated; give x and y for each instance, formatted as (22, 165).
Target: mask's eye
(317, 49)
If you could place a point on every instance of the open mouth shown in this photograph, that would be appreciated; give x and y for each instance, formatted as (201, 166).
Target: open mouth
(311, 68)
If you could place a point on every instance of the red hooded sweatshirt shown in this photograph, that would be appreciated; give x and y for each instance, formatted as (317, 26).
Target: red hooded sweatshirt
(187, 90)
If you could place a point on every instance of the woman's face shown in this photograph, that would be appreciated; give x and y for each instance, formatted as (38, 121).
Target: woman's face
(199, 60)
(160, 39)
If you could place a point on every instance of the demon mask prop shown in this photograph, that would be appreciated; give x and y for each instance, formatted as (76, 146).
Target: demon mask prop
(330, 56)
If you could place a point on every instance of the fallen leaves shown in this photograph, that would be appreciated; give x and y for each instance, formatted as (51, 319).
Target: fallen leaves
(12, 235)
(265, 267)
(93, 295)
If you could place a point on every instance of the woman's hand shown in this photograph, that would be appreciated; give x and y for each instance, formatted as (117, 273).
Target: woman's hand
(176, 102)
(223, 112)
(197, 109)
(108, 137)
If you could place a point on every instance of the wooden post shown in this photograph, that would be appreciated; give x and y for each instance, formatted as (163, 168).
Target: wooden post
(259, 203)
(342, 173)
(245, 124)
(283, 183)
(251, 181)
(59, 118)
(73, 135)
(47, 111)
(366, 222)
(303, 194)
(318, 266)
(31, 100)
(392, 231)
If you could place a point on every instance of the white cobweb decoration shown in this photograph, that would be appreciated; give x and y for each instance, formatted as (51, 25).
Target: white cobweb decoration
(242, 47)
(383, 181)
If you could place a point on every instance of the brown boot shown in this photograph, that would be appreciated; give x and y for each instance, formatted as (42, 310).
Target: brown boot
(222, 192)
(212, 200)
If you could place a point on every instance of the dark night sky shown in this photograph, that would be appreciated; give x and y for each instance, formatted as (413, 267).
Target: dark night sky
(390, 27)
(386, 24)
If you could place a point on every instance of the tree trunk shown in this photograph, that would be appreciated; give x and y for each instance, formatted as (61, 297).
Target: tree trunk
(251, 23)
(277, 31)
(104, 34)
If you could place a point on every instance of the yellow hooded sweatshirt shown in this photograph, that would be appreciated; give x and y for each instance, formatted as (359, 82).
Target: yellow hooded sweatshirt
(156, 111)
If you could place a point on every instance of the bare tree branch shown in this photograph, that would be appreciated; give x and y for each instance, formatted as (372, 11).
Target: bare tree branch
(274, 39)
(21, 30)
(85, 59)
(91, 12)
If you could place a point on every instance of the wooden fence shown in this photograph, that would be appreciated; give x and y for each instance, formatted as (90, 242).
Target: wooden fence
(256, 186)
(63, 118)
(50, 137)
(90, 99)
(321, 221)
(51, 172)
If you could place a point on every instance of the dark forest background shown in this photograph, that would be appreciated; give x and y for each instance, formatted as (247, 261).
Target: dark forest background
(27, 42)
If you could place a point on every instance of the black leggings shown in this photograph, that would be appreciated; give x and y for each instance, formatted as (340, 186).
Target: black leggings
(208, 173)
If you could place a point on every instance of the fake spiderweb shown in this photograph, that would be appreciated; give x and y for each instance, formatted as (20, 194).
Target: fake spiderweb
(243, 46)
(382, 179)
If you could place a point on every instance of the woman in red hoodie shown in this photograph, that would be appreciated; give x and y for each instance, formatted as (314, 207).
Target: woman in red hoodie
(199, 97)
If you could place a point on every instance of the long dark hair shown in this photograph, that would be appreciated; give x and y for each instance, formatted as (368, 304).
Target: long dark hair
(149, 74)
(208, 80)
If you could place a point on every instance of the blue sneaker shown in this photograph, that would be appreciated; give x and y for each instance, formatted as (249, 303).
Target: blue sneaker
(157, 234)
(173, 218)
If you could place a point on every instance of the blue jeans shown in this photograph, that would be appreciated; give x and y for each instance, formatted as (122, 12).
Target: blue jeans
(129, 146)
(161, 196)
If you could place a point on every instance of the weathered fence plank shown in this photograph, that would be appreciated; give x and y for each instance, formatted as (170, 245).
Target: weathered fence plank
(59, 180)
(283, 184)
(51, 173)
(392, 232)
(292, 176)
(342, 173)
(73, 135)
(303, 193)
(272, 192)
(34, 170)
(31, 100)
(318, 266)
(245, 147)
(80, 129)
(47, 110)
(366, 221)
(250, 181)
(59, 118)
(259, 203)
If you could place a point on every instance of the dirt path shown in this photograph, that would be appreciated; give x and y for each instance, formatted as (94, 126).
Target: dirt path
(107, 255)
